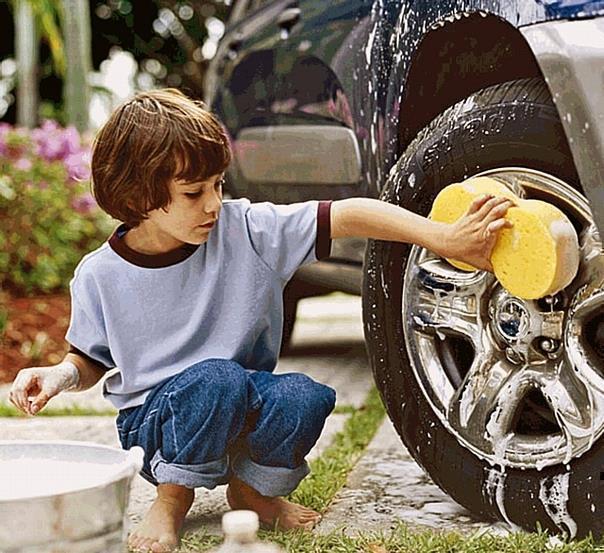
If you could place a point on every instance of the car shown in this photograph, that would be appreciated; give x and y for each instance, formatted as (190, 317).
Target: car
(499, 399)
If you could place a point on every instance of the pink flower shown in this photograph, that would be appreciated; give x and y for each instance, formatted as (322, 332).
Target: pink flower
(71, 140)
(78, 166)
(54, 143)
(23, 164)
(84, 204)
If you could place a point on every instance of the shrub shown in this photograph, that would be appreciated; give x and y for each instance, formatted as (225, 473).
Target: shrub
(48, 217)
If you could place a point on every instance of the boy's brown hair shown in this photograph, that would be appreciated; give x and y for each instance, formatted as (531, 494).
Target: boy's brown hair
(149, 140)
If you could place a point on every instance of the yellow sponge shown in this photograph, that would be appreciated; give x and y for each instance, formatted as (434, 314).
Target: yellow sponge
(537, 257)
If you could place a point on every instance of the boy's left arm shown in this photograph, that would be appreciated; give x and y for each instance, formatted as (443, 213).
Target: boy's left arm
(470, 239)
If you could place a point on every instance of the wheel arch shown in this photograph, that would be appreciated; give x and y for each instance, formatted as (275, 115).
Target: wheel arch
(456, 59)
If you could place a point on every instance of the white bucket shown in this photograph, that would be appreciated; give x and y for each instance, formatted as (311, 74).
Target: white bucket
(64, 496)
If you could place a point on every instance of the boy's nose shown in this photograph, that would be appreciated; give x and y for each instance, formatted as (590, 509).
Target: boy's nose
(213, 203)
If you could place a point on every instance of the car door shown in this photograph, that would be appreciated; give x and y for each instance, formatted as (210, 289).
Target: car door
(281, 82)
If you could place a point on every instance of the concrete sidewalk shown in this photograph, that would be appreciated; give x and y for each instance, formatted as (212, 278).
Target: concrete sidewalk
(386, 486)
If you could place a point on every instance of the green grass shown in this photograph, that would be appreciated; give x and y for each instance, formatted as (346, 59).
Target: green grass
(328, 473)
(344, 410)
(404, 540)
(74, 411)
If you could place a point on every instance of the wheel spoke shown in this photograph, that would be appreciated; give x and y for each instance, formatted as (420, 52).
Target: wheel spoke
(576, 403)
(448, 301)
(484, 405)
(590, 278)
(584, 359)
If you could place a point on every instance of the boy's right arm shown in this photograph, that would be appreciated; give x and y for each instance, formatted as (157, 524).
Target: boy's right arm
(33, 387)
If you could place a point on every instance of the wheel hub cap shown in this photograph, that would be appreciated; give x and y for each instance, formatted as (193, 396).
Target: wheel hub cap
(512, 320)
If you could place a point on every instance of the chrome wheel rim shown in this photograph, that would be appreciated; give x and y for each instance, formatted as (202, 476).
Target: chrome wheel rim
(518, 382)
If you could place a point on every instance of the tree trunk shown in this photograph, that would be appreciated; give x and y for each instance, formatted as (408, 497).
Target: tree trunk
(26, 52)
(76, 92)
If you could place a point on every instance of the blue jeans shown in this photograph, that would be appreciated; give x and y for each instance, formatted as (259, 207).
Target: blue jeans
(217, 419)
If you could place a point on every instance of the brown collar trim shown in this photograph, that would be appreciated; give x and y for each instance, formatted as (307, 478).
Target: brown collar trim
(149, 261)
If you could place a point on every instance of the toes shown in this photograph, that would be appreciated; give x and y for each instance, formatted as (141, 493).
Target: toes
(309, 520)
(145, 545)
(137, 540)
(308, 525)
(159, 547)
(134, 541)
(306, 512)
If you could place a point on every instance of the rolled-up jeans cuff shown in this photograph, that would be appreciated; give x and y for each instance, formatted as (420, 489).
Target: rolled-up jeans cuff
(206, 475)
(269, 481)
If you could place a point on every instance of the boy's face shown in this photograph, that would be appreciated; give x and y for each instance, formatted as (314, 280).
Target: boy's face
(191, 214)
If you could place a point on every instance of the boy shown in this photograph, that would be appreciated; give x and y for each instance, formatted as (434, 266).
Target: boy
(185, 298)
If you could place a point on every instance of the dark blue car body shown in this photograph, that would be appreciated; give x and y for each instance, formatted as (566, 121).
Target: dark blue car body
(382, 70)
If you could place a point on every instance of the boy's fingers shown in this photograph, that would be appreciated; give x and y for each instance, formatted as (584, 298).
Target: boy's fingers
(489, 205)
(497, 225)
(40, 401)
(20, 390)
(498, 212)
(477, 203)
(14, 399)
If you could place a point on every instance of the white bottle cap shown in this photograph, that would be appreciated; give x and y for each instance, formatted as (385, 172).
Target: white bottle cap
(240, 522)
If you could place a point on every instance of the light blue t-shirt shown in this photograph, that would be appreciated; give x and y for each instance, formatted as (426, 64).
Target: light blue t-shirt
(152, 316)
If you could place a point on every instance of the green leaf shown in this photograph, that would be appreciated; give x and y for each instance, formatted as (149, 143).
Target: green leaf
(6, 189)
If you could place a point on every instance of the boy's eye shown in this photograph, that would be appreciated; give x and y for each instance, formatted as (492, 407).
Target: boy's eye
(217, 184)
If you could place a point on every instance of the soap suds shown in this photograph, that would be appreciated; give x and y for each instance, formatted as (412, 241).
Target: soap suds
(553, 494)
(567, 241)
(28, 477)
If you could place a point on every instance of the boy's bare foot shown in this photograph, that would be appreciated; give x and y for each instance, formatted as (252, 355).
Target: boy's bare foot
(272, 511)
(158, 531)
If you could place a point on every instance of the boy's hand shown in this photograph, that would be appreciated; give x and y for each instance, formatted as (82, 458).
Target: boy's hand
(32, 388)
(472, 237)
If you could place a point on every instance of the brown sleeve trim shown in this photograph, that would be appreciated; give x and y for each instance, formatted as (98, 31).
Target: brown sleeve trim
(323, 246)
(73, 349)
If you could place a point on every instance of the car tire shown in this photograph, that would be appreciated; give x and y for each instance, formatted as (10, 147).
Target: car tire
(290, 308)
(509, 125)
